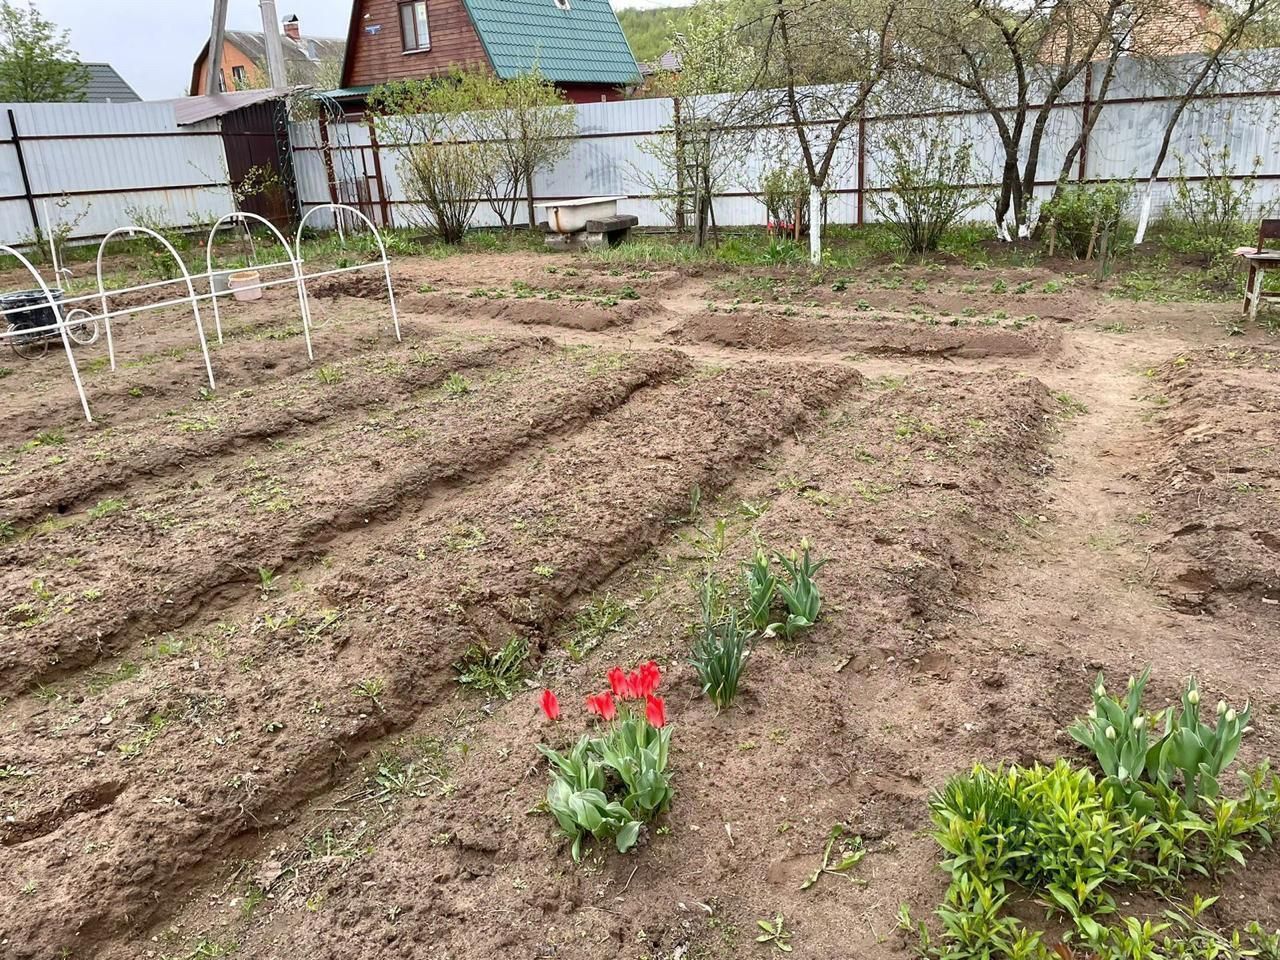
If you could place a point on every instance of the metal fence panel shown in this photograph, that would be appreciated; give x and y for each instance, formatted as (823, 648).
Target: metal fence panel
(98, 165)
(608, 157)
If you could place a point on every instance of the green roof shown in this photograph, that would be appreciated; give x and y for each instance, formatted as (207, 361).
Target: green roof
(581, 44)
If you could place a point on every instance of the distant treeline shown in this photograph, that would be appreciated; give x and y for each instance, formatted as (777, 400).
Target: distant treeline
(650, 31)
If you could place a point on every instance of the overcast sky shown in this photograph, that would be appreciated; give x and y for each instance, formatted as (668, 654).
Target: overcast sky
(152, 43)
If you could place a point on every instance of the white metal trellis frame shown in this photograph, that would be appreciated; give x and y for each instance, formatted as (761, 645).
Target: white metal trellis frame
(60, 324)
(294, 261)
(191, 297)
(298, 279)
(382, 250)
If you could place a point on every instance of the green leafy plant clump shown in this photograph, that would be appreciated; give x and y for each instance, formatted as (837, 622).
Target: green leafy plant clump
(725, 632)
(1120, 734)
(1081, 215)
(494, 672)
(799, 591)
(608, 786)
(721, 647)
(1075, 839)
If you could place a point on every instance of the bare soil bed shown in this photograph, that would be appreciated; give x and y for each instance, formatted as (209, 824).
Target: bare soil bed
(231, 723)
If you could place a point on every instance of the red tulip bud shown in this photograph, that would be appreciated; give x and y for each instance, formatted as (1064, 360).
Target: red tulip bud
(655, 711)
(550, 705)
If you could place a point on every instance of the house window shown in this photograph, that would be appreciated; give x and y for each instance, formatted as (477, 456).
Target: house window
(238, 77)
(413, 26)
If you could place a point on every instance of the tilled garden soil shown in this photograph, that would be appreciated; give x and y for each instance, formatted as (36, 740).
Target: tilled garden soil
(232, 723)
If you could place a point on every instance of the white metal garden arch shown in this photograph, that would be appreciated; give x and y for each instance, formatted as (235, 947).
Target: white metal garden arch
(294, 261)
(191, 297)
(382, 250)
(59, 324)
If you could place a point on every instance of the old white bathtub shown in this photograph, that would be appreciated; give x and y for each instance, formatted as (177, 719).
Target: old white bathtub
(570, 216)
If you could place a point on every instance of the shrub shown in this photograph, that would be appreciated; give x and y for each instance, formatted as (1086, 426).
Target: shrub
(784, 191)
(924, 177)
(1081, 213)
(608, 786)
(1210, 212)
(443, 181)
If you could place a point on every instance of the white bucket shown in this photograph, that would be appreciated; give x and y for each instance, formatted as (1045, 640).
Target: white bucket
(245, 278)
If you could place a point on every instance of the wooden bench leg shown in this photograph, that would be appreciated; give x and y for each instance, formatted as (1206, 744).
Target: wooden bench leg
(1258, 274)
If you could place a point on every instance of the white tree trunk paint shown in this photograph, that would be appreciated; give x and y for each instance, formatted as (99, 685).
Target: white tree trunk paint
(815, 225)
(1144, 215)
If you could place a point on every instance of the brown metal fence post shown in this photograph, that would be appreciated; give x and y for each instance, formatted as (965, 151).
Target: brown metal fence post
(26, 180)
(383, 205)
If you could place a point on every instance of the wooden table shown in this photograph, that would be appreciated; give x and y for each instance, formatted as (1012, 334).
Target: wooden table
(1259, 262)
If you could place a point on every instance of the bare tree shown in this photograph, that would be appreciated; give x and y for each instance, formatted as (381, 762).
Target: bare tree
(714, 112)
(1228, 46)
(828, 59)
(1017, 63)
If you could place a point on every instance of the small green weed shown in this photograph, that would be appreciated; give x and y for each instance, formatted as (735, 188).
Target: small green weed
(494, 671)
(456, 385)
(105, 508)
(775, 934)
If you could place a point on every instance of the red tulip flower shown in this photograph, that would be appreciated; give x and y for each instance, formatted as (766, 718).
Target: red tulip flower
(648, 676)
(550, 705)
(602, 705)
(655, 711)
(617, 682)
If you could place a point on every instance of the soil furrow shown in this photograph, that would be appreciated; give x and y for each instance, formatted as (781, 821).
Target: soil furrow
(266, 519)
(59, 477)
(158, 358)
(862, 485)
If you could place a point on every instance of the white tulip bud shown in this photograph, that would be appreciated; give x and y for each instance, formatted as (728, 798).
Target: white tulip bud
(1111, 733)
(1222, 707)
(1101, 691)
(1193, 697)
(1231, 716)
(1139, 722)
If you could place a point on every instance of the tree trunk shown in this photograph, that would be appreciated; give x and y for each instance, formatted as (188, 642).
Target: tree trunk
(528, 196)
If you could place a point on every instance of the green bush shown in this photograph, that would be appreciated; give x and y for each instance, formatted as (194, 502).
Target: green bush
(1081, 213)
(784, 191)
(1208, 214)
(1076, 841)
(924, 186)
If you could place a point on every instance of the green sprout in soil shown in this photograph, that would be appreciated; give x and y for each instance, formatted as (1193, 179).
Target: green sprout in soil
(494, 672)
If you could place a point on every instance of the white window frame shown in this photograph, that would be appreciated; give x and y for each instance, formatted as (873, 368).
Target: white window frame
(421, 40)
